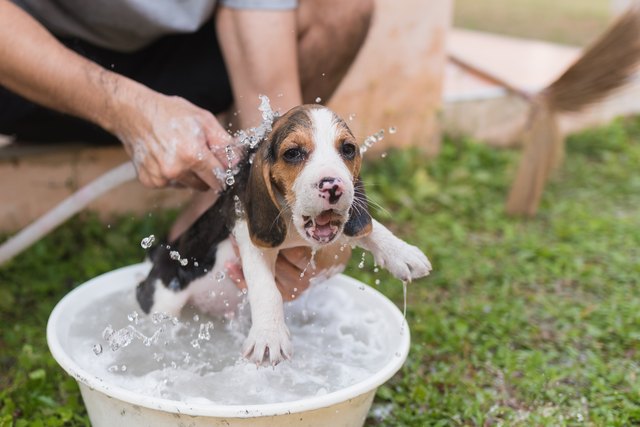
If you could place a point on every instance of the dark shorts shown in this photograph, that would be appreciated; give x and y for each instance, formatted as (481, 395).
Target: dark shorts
(187, 65)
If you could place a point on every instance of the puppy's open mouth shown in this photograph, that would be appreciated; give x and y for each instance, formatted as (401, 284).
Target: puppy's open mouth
(324, 227)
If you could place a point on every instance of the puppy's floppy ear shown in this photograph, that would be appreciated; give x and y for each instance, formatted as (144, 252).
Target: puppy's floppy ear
(359, 222)
(266, 226)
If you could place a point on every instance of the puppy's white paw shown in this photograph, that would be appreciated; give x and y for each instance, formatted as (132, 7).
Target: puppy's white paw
(406, 262)
(270, 342)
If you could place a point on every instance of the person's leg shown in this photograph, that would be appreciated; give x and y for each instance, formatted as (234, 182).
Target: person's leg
(330, 35)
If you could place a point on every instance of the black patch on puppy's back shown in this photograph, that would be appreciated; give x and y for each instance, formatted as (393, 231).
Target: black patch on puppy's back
(198, 245)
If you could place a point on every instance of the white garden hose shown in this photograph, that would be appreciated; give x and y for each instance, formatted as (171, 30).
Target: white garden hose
(69, 207)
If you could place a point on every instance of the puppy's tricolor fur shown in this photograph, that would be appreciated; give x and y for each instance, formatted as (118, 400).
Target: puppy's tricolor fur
(300, 187)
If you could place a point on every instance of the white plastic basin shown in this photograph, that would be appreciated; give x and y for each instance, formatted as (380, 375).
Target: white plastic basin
(109, 405)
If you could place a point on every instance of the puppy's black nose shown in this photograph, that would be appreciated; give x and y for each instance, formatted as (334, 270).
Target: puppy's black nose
(331, 189)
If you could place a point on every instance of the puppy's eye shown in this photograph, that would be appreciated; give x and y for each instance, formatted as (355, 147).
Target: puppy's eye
(348, 150)
(293, 155)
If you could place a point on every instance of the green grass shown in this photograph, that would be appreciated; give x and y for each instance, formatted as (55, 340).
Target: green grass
(523, 322)
(574, 22)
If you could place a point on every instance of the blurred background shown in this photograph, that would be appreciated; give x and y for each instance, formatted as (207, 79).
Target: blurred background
(530, 318)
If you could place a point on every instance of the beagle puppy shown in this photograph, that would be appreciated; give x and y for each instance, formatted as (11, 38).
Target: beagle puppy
(298, 187)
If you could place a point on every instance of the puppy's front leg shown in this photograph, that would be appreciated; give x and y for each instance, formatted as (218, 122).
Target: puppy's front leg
(404, 261)
(269, 333)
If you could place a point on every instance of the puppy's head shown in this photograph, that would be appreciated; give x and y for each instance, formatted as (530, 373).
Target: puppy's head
(306, 174)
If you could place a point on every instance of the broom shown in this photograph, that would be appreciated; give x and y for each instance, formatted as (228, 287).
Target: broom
(605, 66)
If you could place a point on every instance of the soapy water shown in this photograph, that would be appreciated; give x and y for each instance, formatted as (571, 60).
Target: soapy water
(338, 341)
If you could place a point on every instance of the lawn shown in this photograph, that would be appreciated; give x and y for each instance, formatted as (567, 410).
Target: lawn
(523, 322)
(574, 22)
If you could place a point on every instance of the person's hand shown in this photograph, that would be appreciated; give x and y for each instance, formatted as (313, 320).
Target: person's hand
(294, 269)
(171, 141)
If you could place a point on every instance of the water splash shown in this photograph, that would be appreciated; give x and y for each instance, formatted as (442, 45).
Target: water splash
(147, 242)
(253, 136)
(361, 265)
(97, 349)
(237, 205)
(175, 255)
(404, 298)
(133, 317)
(120, 338)
(248, 138)
(371, 140)
(204, 332)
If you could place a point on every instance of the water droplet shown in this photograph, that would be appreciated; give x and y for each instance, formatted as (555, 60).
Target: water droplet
(230, 180)
(228, 150)
(123, 368)
(159, 317)
(133, 317)
(184, 262)
(377, 282)
(97, 349)
(383, 155)
(196, 317)
(361, 265)
(237, 205)
(220, 276)
(205, 331)
(107, 333)
(318, 100)
(195, 344)
(120, 338)
(244, 291)
(148, 241)
(174, 255)
(352, 116)
(392, 130)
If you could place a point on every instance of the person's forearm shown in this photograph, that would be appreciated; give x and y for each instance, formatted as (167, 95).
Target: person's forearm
(260, 52)
(169, 139)
(36, 66)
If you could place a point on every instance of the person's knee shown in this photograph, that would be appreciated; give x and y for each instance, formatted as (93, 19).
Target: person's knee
(342, 21)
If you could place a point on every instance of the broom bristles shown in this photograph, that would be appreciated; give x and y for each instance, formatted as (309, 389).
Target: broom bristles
(604, 67)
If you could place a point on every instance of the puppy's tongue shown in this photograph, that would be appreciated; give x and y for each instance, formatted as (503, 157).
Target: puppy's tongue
(323, 219)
